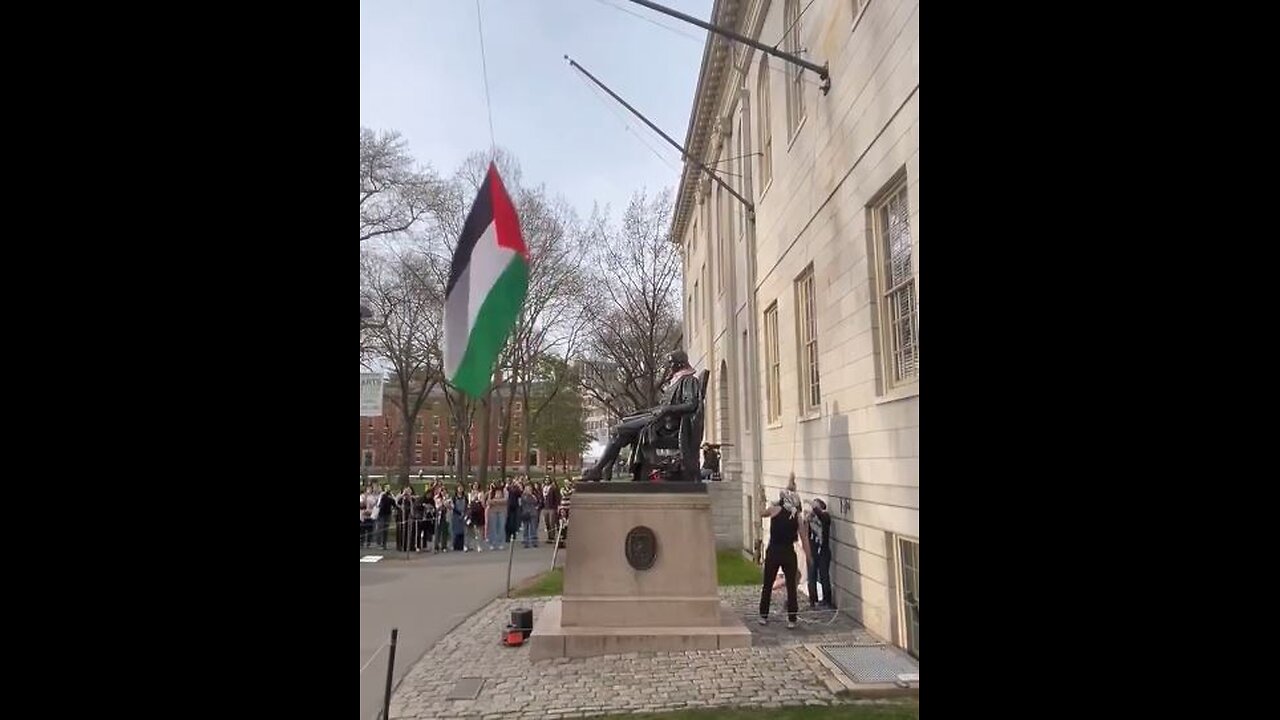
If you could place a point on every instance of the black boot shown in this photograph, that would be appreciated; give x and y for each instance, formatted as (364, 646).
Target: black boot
(591, 474)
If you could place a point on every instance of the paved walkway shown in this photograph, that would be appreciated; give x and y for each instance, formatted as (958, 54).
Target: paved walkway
(775, 671)
(426, 597)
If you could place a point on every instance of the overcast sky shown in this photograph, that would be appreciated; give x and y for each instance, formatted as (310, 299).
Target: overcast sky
(420, 74)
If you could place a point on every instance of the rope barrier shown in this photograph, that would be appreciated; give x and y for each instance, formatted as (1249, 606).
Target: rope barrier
(374, 656)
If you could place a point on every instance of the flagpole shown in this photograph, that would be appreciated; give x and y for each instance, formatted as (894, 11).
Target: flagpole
(750, 206)
(821, 71)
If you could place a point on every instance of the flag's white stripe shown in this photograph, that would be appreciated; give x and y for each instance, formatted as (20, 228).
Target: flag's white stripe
(485, 266)
(455, 325)
(488, 260)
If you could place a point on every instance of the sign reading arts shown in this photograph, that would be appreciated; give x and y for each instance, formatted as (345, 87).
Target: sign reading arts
(370, 394)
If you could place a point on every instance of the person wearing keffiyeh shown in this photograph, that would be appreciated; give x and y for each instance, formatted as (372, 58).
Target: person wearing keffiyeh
(819, 569)
(784, 527)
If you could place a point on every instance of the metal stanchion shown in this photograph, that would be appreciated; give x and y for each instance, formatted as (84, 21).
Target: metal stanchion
(391, 666)
(511, 556)
(555, 549)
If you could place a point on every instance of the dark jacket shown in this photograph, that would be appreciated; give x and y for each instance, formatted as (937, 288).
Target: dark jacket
(820, 531)
(386, 504)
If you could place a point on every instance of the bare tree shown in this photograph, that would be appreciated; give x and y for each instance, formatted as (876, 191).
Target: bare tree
(636, 300)
(549, 319)
(394, 195)
(550, 323)
(448, 214)
(403, 289)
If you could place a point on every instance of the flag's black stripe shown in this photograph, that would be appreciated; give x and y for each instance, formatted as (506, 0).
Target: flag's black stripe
(480, 217)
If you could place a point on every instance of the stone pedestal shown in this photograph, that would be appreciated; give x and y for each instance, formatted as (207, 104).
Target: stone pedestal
(640, 576)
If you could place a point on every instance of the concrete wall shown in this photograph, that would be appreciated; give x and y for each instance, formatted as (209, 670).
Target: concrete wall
(726, 513)
(859, 449)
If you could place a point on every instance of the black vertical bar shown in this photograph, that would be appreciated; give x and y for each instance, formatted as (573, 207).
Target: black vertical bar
(391, 667)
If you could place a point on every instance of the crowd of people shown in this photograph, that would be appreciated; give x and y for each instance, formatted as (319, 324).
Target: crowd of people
(462, 520)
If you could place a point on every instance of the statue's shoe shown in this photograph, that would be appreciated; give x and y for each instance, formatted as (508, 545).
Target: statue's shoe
(591, 475)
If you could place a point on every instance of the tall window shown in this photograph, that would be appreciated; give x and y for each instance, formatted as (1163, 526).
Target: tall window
(744, 147)
(743, 349)
(435, 457)
(772, 365)
(435, 440)
(896, 282)
(706, 294)
(909, 571)
(724, 411)
(766, 133)
(807, 321)
(697, 301)
(795, 73)
(722, 229)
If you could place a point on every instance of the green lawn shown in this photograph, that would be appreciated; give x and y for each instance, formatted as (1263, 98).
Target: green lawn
(900, 710)
(731, 569)
(548, 583)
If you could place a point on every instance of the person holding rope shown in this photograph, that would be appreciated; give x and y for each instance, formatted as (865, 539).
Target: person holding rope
(784, 528)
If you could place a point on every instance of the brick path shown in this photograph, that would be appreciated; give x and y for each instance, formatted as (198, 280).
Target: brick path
(775, 671)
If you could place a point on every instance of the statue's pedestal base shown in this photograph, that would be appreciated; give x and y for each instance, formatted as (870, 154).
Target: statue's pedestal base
(640, 576)
(551, 638)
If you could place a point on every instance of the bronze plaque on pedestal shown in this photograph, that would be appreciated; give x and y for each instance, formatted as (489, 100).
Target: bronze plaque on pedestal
(642, 548)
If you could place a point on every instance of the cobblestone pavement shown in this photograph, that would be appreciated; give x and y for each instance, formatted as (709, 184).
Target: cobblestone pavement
(775, 671)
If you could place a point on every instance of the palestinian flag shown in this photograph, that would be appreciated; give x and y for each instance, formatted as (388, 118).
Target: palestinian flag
(487, 286)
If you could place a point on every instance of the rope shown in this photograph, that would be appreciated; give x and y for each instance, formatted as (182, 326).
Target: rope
(830, 614)
(793, 24)
(794, 432)
(374, 656)
(484, 65)
(651, 21)
(626, 124)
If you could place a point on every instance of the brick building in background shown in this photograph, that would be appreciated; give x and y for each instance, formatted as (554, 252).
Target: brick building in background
(435, 440)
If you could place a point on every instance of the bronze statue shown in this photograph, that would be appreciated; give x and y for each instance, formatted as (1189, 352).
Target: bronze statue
(661, 434)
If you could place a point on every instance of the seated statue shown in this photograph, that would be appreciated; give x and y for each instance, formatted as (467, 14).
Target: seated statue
(683, 398)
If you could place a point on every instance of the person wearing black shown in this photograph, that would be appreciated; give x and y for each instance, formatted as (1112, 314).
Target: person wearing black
(513, 511)
(784, 528)
(386, 508)
(820, 560)
(682, 396)
(710, 461)
(457, 517)
(424, 512)
(551, 509)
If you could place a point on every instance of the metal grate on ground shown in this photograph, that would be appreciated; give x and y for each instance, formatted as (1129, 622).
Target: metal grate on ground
(466, 689)
(872, 663)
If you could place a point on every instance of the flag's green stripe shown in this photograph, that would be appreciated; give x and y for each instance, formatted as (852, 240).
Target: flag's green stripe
(493, 323)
